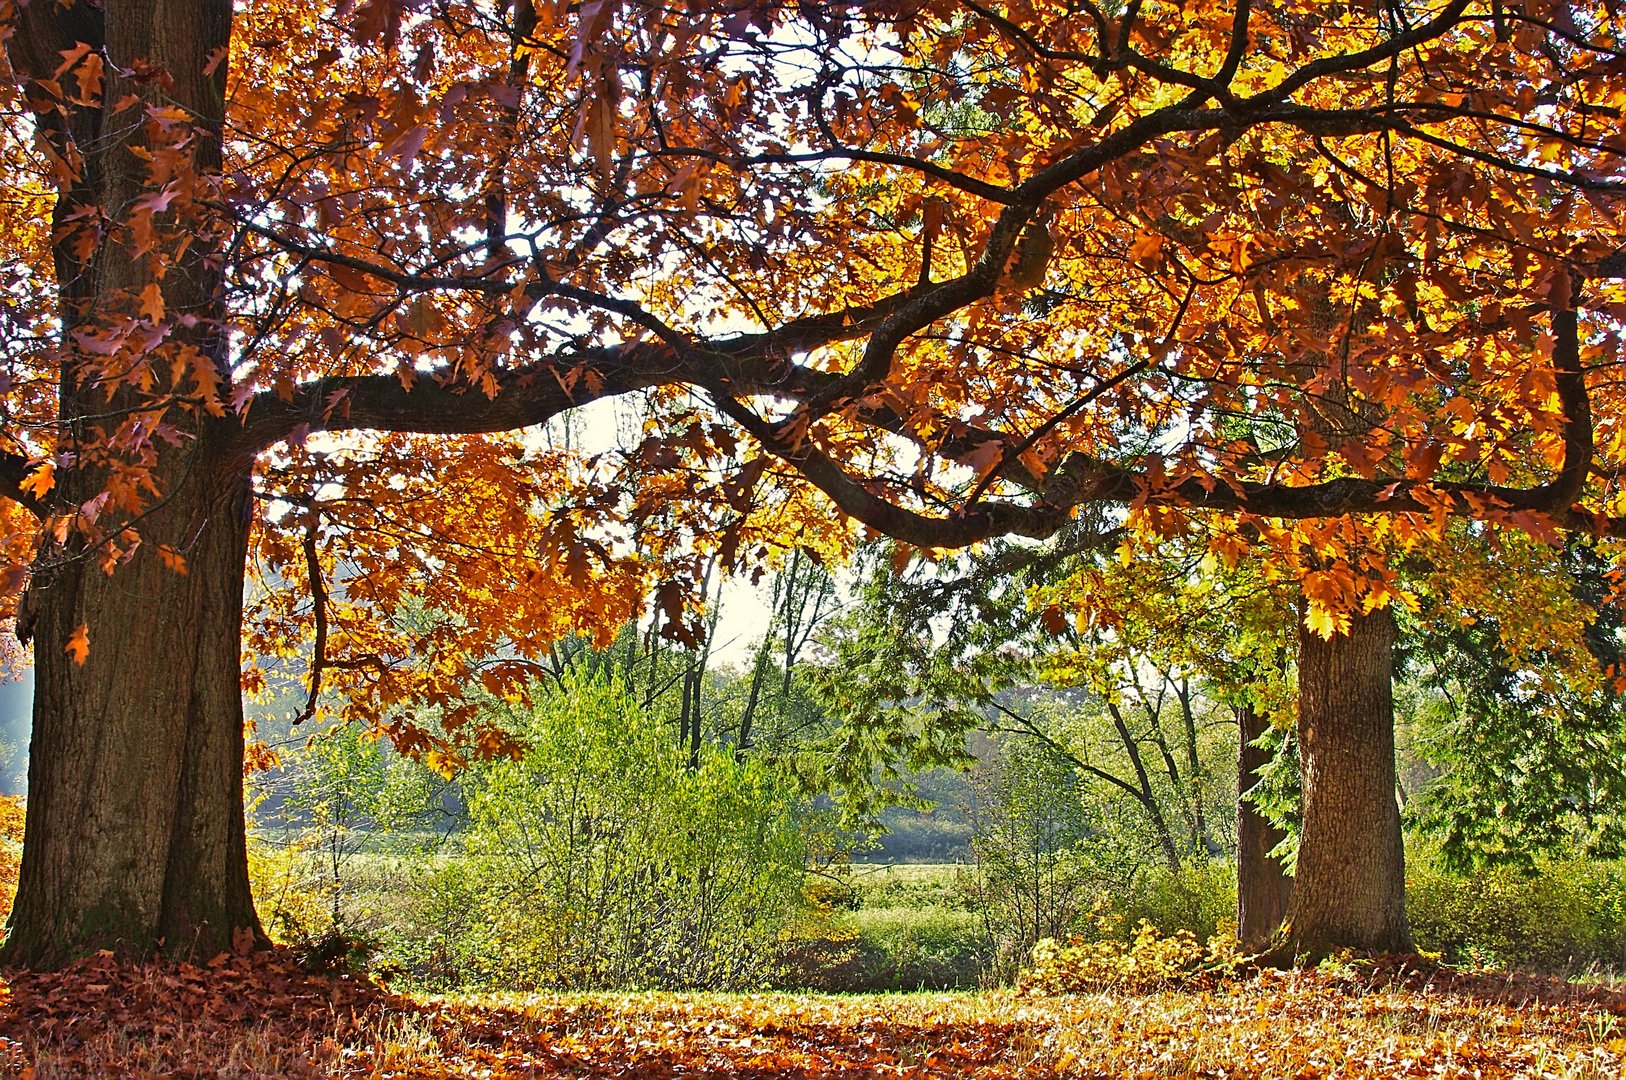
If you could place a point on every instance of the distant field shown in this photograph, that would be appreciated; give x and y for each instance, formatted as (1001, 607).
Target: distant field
(910, 872)
(908, 885)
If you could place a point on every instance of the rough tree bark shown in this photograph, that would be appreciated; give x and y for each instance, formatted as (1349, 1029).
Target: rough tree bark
(135, 830)
(1262, 886)
(1349, 891)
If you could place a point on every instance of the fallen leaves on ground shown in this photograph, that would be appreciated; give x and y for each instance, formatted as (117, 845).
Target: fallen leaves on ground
(262, 1016)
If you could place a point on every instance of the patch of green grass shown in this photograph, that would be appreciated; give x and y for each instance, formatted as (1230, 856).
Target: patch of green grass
(909, 948)
(910, 885)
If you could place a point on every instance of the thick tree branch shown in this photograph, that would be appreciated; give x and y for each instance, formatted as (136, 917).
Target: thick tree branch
(14, 469)
(1570, 382)
(859, 502)
(438, 403)
(1239, 45)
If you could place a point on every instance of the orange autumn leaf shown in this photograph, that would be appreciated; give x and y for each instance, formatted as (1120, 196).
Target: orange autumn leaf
(39, 482)
(172, 558)
(78, 645)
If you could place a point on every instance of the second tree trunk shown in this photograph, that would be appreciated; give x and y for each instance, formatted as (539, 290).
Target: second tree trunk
(1262, 886)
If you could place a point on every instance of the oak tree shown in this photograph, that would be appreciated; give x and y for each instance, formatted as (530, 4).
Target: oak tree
(287, 283)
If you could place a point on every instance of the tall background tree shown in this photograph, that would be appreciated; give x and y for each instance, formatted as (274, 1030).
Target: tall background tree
(288, 282)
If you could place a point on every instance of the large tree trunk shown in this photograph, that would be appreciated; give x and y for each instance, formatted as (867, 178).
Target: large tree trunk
(1349, 889)
(1262, 886)
(135, 832)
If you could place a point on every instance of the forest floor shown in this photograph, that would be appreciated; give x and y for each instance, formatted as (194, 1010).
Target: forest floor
(260, 1016)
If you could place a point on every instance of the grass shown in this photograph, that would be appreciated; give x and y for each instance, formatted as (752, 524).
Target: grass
(915, 885)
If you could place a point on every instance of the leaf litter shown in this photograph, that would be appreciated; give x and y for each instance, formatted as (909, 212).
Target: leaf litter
(260, 1014)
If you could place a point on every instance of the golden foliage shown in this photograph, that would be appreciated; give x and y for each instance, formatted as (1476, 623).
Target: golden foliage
(1148, 960)
(12, 813)
(1282, 264)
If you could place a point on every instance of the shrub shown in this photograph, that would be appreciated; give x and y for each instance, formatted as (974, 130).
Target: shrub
(1199, 898)
(819, 954)
(292, 901)
(1147, 961)
(1039, 856)
(1569, 912)
(606, 859)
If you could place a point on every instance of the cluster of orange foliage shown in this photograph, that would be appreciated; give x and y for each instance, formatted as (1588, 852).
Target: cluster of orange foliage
(250, 1016)
(11, 850)
(1295, 260)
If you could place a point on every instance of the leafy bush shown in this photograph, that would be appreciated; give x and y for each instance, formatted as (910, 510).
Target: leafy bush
(1570, 912)
(1199, 898)
(12, 812)
(604, 860)
(1040, 857)
(1147, 961)
(291, 897)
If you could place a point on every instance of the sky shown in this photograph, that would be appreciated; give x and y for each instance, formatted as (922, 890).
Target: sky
(16, 703)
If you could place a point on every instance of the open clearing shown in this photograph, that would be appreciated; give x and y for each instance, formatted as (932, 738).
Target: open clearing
(260, 1016)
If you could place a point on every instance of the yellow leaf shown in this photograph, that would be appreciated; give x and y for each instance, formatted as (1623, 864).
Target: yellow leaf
(1325, 623)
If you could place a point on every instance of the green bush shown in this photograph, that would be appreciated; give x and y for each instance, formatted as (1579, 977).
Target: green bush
(1199, 898)
(1570, 913)
(606, 860)
(912, 948)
